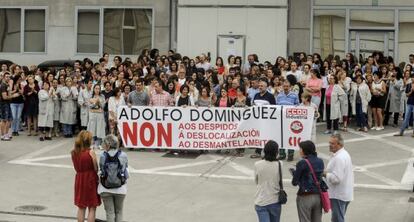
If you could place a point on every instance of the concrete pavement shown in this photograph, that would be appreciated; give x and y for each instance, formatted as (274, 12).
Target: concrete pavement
(209, 187)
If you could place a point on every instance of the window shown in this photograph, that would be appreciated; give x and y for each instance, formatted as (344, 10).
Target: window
(114, 30)
(88, 31)
(10, 30)
(406, 34)
(33, 30)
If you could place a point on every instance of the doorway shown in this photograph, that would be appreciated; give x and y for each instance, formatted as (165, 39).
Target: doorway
(231, 45)
(363, 43)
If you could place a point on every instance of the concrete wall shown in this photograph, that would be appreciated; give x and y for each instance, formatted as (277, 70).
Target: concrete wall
(265, 28)
(61, 33)
(299, 26)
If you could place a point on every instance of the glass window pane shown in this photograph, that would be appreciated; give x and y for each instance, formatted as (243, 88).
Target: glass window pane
(372, 18)
(10, 30)
(127, 31)
(34, 30)
(128, 18)
(329, 32)
(405, 35)
(88, 31)
(343, 2)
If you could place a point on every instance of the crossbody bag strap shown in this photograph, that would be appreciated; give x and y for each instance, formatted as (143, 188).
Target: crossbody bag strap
(280, 176)
(314, 175)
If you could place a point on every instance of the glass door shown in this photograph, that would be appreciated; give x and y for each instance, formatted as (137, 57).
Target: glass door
(364, 43)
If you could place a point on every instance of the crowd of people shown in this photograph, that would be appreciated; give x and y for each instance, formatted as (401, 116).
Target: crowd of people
(84, 98)
(86, 95)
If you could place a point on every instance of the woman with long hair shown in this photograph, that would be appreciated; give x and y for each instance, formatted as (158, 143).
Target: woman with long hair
(360, 95)
(69, 95)
(113, 103)
(184, 99)
(268, 178)
(47, 97)
(220, 66)
(308, 201)
(393, 105)
(314, 86)
(31, 104)
(378, 90)
(332, 106)
(204, 99)
(17, 104)
(96, 124)
(86, 180)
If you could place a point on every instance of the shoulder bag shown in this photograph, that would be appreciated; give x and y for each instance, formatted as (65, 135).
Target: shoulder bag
(282, 193)
(326, 202)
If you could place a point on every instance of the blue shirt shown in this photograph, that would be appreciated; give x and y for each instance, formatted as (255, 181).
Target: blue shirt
(251, 92)
(290, 99)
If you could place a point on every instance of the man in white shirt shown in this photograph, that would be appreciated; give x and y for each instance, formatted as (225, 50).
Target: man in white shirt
(294, 71)
(340, 178)
(203, 63)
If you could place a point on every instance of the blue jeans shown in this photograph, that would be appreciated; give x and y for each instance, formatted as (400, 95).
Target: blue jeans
(316, 100)
(339, 208)
(269, 213)
(16, 109)
(410, 109)
(360, 116)
(67, 129)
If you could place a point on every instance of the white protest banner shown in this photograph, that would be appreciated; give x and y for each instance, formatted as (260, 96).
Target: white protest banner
(202, 128)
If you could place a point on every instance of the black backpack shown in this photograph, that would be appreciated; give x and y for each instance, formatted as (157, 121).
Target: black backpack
(112, 174)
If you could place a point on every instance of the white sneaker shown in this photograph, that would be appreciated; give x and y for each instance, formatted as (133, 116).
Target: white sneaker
(374, 128)
(380, 128)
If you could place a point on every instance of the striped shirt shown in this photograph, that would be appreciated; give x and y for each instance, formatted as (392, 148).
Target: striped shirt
(161, 99)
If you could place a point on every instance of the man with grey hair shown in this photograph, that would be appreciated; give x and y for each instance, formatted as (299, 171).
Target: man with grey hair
(113, 198)
(340, 178)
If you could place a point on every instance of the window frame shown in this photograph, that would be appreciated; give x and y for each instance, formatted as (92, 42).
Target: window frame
(22, 28)
(348, 28)
(101, 10)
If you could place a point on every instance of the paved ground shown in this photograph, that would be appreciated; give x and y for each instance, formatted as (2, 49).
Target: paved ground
(207, 188)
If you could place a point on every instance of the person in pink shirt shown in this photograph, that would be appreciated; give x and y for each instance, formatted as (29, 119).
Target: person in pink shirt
(314, 86)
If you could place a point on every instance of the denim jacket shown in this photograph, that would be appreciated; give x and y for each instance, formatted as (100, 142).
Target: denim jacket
(302, 176)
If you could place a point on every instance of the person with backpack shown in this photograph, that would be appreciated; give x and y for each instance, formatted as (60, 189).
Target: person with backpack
(113, 166)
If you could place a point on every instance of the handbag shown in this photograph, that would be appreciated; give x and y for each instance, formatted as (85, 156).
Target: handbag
(326, 202)
(282, 193)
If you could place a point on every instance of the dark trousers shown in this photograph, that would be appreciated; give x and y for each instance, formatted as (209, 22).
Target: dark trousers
(360, 116)
(328, 119)
(388, 114)
(282, 152)
(321, 104)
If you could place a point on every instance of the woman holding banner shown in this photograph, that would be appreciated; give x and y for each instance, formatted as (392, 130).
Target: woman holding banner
(307, 101)
(204, 99)
(113, 103)
(184, 99)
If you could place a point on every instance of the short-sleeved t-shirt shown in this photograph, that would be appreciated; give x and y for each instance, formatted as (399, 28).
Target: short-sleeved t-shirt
(3, 88)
